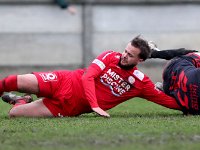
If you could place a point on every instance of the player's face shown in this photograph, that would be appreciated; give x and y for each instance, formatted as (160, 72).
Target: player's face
(130, 56)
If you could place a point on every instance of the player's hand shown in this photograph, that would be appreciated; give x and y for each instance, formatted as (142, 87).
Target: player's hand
(101, 112)
(71, 10)
(153, 46)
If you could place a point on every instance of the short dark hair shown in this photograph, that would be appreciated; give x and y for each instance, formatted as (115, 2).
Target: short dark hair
(142, 44)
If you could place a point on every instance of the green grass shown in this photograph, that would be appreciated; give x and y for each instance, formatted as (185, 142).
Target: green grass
(136, 124)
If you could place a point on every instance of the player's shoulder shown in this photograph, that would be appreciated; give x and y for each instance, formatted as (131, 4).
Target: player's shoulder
(107, 52)
(140, 75)
(110, 54)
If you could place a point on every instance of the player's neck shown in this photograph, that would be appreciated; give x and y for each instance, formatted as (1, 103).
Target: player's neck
(126, 67)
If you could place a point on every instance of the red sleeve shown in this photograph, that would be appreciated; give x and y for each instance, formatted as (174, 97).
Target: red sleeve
(93, 71)
(151, 93)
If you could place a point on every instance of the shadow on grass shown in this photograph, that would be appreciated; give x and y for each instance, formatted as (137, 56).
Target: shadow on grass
(137, 115)
(116, 115)
(146, 115)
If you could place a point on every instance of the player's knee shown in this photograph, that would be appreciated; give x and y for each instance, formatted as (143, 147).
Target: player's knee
(14, 112)
(28, 83)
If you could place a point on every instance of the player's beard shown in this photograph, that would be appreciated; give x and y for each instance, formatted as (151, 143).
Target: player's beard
(125, 67)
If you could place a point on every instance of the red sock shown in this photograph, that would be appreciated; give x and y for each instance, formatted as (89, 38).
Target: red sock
(1, 87)
(8, 84)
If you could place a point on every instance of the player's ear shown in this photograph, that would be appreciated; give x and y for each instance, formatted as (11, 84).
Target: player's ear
(141, 60)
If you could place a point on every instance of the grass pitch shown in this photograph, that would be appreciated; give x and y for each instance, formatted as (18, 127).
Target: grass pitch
(136, 124)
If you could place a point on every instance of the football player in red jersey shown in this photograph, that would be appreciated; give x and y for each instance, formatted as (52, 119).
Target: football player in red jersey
(111, 79)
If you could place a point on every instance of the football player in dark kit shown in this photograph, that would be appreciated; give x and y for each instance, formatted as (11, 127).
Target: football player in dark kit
(181, 80)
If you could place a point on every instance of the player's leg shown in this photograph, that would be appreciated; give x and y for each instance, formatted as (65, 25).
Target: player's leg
(33, 109)
(24, 107)
(43, 85)
(13, 99)
(26, 83)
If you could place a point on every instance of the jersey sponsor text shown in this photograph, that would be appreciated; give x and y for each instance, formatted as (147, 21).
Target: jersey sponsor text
(115, 82)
